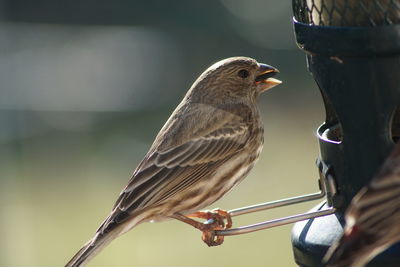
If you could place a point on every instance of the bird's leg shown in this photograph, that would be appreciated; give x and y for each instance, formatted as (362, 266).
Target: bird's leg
(216, 215)
(208, 229)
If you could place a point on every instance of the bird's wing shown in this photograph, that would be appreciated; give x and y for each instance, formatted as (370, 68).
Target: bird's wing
(371, 218)
(171, 166)
(378, 200)
(369, 223)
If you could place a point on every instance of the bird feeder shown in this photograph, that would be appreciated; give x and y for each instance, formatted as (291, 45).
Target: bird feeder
(353, 53)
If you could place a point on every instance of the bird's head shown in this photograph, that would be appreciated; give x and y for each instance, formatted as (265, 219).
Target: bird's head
(236, 77)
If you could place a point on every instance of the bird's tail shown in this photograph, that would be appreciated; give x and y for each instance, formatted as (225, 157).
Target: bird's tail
(91, 248)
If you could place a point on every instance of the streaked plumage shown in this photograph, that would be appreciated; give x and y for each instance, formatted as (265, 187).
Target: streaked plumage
(372, 219)
(208, 145)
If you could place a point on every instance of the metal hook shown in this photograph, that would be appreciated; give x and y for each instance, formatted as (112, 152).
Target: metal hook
(326, 184)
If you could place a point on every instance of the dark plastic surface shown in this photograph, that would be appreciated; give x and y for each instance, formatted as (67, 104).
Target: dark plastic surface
(358, 72)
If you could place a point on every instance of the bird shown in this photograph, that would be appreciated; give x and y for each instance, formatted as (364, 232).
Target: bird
(207, 146)
(372, 219)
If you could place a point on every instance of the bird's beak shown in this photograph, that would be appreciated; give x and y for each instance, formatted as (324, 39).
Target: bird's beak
(263, 77)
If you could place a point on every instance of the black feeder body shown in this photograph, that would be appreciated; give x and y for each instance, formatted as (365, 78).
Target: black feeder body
(357, 70)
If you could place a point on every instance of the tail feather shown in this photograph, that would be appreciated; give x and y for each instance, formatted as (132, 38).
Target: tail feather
(90, 249)
(107, 232)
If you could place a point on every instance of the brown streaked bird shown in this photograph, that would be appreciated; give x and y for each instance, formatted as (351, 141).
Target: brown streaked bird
(208, 145)
(372, 219)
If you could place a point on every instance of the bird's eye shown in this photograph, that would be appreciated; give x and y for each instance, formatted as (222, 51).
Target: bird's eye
(243, 74)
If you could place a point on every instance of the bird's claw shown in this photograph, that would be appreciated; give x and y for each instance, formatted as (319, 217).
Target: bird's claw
(215, 221)
(209, 237)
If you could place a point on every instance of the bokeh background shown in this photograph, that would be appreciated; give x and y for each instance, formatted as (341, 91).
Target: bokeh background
(85, 87)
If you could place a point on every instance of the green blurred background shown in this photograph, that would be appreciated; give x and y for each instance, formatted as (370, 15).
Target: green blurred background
(85, 87)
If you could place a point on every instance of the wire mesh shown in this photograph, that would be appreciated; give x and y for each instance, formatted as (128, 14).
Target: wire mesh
(347, 12)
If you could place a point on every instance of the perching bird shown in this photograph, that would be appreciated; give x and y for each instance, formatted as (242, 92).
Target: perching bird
(372, 219)
(208, 145)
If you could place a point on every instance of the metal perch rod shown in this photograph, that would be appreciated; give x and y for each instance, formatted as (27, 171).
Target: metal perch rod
(276, 222)
(280, 203)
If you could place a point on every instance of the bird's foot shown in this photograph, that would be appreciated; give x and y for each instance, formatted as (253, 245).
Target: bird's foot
(215, 221)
